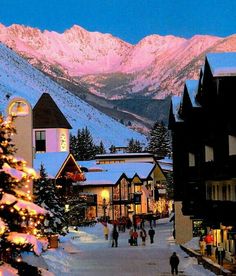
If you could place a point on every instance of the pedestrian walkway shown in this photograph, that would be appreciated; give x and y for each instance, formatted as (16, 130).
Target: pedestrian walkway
(210, 262)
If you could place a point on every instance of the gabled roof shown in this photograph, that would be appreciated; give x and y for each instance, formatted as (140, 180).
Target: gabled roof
(222, 64)
(192, 89)
(46, 114)
(142, 170)
(102, 179)
(53, 162)
(175, 105)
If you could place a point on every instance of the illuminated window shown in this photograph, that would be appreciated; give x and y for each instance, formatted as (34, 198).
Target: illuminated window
(40, 141)
(232, 145)
(209, 154)
(19, 108)
(191, 159)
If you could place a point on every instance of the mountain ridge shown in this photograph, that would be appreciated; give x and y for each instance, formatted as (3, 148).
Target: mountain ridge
(112, 69)
(19, 79)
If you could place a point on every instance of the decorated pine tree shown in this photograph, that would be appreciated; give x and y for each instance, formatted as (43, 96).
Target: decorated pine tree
(46, 197)
(20, 218)
(159, 143)
(134, 146)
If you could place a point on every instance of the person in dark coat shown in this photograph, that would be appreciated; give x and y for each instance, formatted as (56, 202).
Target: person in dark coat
(151, 233)
(174, 262)
(220, 254)
(115, 236)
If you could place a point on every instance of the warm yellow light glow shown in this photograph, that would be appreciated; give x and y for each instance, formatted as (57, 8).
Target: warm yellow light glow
(105, 194)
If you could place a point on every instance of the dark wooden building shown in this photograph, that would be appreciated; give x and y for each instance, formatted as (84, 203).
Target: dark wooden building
(203, 125)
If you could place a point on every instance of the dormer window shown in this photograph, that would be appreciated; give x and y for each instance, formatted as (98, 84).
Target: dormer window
(209, 154)
(232, 145)
(40, 141)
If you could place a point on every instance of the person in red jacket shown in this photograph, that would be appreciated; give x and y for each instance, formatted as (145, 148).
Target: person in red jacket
(209, 242)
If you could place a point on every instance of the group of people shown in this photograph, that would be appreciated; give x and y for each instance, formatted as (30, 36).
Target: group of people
(133, 241)
(205, 245)
(133, 236)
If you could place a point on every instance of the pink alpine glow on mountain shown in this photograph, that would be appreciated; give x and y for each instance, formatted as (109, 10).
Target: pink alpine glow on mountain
(157, 65)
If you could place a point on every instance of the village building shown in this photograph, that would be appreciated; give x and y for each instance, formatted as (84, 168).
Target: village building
(203, 128)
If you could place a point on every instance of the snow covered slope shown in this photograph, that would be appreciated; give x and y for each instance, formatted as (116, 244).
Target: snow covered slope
(19, 78)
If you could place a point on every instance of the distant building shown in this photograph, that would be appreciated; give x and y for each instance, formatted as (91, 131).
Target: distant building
(203, 126)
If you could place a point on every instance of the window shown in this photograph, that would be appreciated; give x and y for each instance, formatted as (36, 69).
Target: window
(191, 159)
(40, 141)
(209, 154)
(232, 145)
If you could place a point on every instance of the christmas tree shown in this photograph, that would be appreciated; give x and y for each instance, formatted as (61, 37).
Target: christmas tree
(46, 197)
(20, 218)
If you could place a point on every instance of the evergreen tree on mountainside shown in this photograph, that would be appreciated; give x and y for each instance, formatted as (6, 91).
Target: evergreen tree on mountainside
(73, 146)
(112, 149)
(20, 218)
(159, 143)
(101, 148)
(82, 146)
(45, 196)
(134, 146)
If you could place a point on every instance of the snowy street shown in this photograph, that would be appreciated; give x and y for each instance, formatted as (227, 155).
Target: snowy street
(86, 252)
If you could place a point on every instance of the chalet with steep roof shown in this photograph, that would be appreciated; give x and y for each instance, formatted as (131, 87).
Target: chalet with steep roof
(203, 126)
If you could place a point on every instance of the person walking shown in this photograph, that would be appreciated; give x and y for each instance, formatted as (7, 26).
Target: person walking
(151, 233)
(220, 253)
(174, 263)
(135, 237)
(143, 236)
(131, 242)
(209, 242)
(202, 245)
(106, 232)
(115, 236)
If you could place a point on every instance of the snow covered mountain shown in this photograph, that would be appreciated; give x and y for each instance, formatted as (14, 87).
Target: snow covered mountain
(111, 68)
(19, 78)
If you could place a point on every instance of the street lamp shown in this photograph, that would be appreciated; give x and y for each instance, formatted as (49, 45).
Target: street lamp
(105, 198)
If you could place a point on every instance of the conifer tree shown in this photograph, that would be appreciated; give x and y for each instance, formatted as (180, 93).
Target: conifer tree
(134, 146)
(159, 143)
(82, 146)
(20, 218)
(112, 149)
(101, 149)
(46, 197)
(73, 146)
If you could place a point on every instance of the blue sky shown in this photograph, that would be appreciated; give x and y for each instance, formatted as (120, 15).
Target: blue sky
(130, 20)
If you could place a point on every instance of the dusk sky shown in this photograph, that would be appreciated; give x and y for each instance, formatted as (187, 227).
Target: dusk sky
(130, 20)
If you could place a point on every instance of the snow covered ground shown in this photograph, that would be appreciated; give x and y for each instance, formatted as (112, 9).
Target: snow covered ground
(86, 252)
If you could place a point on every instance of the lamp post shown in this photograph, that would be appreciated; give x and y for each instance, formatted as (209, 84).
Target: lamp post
(105, 198)
(104, 206)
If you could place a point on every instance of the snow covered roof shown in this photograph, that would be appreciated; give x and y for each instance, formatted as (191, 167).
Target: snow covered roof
(52, 161)
(143, 170)
(176, 102)
(222, 64)
(102, 178)
(125, 155)
(166, 164)
(192, 88)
